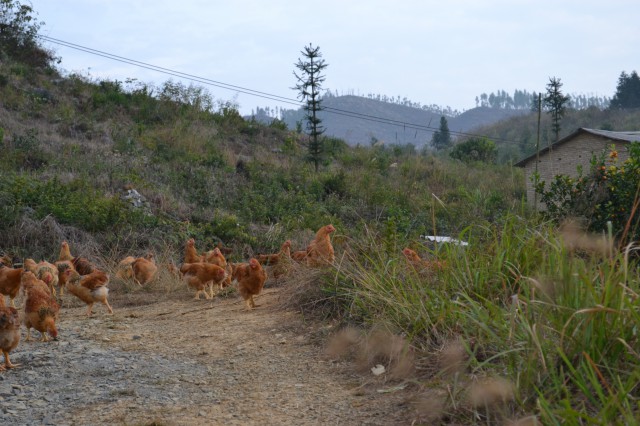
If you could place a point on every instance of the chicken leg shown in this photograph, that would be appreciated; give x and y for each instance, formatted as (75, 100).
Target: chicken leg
(106, 303)
(7, 362)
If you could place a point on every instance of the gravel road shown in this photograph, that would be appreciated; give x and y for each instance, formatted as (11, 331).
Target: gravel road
(165, 359)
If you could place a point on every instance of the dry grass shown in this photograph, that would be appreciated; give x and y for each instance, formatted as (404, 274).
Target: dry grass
(378, 346)
(305, 291)
(43, 239)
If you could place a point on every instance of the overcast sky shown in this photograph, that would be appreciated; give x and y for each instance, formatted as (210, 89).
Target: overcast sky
(432, 52)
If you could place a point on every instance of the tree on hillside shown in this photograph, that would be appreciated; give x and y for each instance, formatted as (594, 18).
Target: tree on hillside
(475, 149)
(309, 84)
(628, 92)
(441, 138)
(18, 34)
(556, 103)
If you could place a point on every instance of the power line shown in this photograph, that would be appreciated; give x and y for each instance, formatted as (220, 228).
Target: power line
(256, 93)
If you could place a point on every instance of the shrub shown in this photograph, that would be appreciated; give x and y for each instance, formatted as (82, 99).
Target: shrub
(18, 37)
(475, 149)
(76, 203)
(610, 193)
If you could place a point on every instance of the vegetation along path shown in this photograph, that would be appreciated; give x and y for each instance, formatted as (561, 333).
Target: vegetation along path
(178, 361)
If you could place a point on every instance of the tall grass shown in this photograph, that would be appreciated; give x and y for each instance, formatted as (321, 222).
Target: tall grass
(558, 320)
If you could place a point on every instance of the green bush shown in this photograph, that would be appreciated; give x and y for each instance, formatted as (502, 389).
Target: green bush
(475, 149)
(76, 203)
(610, 192)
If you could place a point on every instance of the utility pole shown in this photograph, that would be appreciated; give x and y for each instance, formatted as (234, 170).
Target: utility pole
(535, 183)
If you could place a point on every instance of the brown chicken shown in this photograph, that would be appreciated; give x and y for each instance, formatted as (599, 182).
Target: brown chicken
(190, 253)
(124, 270)
(40, 309)
(225, 250)
(30, 265)
(80, 264)
(272, 259)
(29, 280)
(83, 265)
(279, 263)
(144, 269)
(320, 251)
(216, 257)
(44, 271)
(48, 273)
(201, 276)
(62, 265)
(90, 288)
(422, 265)
(10, 282)
(65, 253)
(9, 333)
(300, 256)
(251, 278)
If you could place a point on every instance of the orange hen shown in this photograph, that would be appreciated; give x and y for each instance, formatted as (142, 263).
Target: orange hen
(320, 251)
(422, 265)
(40, 309)
(190, 253)
(10, 282)
(201, 276)
(273, 259)
(144, 269)
(90, 288)
(251, 278)
(124, 270)
(9, 333)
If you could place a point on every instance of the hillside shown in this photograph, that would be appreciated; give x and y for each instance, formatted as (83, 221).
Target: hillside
(515, 137)
(531, 321)
(362, 131)
(203, 170)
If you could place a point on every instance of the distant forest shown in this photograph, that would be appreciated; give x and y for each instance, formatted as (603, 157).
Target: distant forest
(523, 100)
(519, 100)
(404, 101)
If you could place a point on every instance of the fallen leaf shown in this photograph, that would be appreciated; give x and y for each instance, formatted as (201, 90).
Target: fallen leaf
(378, 370)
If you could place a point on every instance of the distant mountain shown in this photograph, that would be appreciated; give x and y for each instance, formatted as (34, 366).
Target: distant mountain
(360, 120)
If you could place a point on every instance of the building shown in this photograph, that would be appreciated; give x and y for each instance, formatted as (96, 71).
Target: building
(577, 149)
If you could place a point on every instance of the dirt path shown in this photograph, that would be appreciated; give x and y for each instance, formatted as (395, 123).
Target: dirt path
(178, 361)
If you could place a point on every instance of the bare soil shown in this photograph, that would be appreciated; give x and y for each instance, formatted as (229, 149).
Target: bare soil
(169, 359)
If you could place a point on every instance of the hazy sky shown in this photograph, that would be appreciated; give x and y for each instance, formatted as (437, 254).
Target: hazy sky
(432, 52)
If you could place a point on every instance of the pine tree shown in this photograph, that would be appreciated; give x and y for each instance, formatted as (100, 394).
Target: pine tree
(628, 91)
(309, 84)
(441, 138)
(556, 104)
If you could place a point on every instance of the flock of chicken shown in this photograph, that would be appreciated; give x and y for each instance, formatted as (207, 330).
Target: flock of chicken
(39, 281)
(201, 272)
